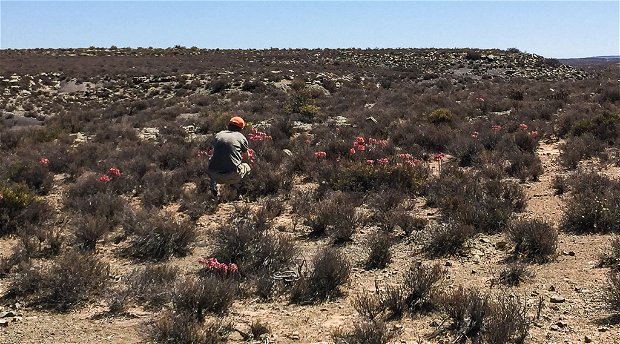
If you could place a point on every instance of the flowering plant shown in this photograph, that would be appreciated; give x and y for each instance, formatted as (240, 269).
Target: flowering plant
(114, 171)
(256, 135)
(44, 161)
(104, 179)
(320, 155)
(213, 266)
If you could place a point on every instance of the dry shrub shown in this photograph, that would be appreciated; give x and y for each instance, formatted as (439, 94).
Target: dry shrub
(258, 329)
(70, 280)
(379, 244)
(179, 329)
(612, 291)
(366, 332)
(334, 215)
(535, 239)
(158, 237)
(329, 271)
(447, 239)
(483, 319)
(361, 177)
(514, 274)
(393, 301)
(193, 296)
(594, 206)
(473, 199)
(367, 305)
(420, 283)
(253, 248)
(151, 286)
(611, 257)
(88, 230)
(20, 208)
(579, 148)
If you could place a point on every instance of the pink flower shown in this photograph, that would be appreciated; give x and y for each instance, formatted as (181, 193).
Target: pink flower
(370, 162)
(361, 148)
(104, 179)
(383, 161)
(439, 156)
(360, 140)
(352, 151)
(356, 144)
(232, 267)
(523, 126)
(115, 171)
(405, 156)
(44, 161)
(496, 128)
(534, 134)
(474, 135)
(320, 155)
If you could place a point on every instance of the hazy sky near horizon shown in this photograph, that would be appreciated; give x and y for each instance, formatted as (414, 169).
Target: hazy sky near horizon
(559, 29)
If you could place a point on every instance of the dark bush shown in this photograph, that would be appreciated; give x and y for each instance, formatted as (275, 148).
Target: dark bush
(159, 237)
(334, 215)
(367, 305)
(535, 239)
(379, 255)
(482, 319)
(254, 249)
(611, 257)
(472, 199)
(329, 270)
(420, 283)
(514, 274)
(88, 230)
(151, 286)
(32, 173)
(70, 280)
(178, 329)
(579, 148)
(393, 301)
(592, 210)
(447, 239)
(193, 296)
(20, 208)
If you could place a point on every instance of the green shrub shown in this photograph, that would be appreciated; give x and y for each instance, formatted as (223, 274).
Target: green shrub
(441, 115)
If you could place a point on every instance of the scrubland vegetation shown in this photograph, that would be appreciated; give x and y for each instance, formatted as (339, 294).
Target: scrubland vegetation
(104, 197)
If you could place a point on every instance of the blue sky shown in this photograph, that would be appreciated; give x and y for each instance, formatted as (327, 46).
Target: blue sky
(550, 28)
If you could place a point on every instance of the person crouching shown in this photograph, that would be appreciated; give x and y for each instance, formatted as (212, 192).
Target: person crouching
(229, 163)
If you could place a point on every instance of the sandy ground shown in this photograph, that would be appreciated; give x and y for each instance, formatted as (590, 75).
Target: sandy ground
(572, 275)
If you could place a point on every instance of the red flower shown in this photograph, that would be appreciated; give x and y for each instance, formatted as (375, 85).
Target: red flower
(232, 267)
(320, 155)
(115, 171)
(474, 135)
(104, 179)
(44, 161)
(370, 162)
(383, 161)
(439, 156)
(352, 151)
(361, 148)
(523, 126)
(360, 140)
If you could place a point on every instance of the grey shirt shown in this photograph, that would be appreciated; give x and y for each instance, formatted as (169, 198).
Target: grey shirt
(227, 150)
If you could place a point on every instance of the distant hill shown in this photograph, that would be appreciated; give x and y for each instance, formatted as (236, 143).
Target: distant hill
(594, 60)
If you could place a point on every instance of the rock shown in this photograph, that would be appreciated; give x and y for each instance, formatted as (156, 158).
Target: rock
(294, 336)
(485, 240)
(4, 322)
(7, 314)
(603, 329)
(571, 253)
(448, 263)
(371, 119)
(557, 299)
(561, 324)
(554, 327)
(501, 245)
(587, 339)
(287, 152)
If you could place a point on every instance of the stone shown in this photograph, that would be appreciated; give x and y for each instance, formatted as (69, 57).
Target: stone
(557, 299)
(4, 322)
(587, 339)
(294, 336)
(603, 329)
(287, 152)
(485, 240)
(7, 314)
(371, 119)
(448, 263)
(501, 245)
(554, 327)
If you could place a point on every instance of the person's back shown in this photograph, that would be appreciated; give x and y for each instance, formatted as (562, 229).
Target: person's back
(229, 163)
(227, 150)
